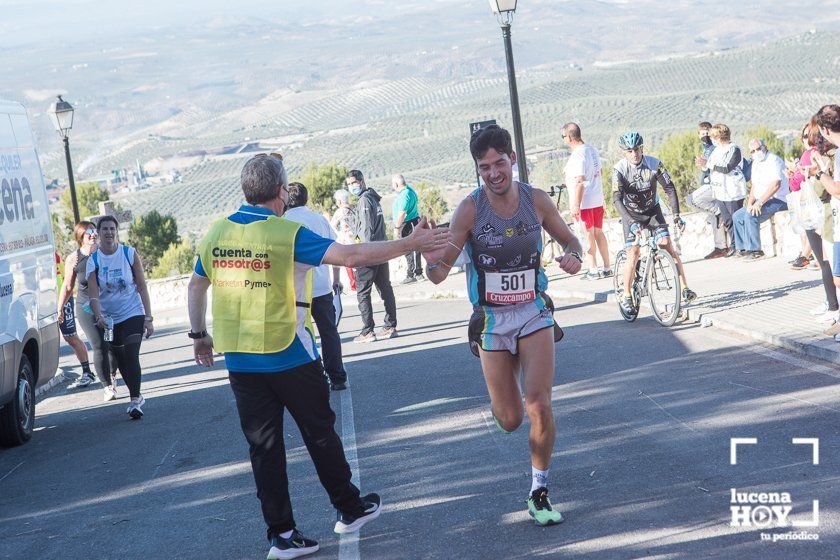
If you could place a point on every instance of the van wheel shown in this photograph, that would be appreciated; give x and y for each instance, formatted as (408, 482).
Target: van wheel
(17, 419)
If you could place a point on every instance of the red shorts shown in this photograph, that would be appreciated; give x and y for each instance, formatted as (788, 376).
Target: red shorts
(593, 217)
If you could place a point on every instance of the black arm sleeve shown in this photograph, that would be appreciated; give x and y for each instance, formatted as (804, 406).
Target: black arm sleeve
(365, 219)
(618, 183)
(668, 186)
(733, 162)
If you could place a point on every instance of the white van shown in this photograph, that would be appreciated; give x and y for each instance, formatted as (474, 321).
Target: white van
(29, 336)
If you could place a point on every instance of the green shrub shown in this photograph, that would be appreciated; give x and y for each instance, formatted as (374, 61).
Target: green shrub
(152, 234)
(179, 258)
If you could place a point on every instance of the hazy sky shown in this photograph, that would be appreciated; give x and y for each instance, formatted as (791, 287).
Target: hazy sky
(25, 21)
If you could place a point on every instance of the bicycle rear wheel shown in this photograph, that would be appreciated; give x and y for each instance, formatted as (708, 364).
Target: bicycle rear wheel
(618, 287)
(664, 289)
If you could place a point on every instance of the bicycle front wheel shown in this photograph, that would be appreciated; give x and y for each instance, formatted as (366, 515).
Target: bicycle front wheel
(663, 283)
(618, 287)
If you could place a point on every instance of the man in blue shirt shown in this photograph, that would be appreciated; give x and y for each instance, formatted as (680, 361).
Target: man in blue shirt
(265, 384)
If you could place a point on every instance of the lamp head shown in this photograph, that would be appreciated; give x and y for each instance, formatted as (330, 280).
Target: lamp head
(61, 114)
(504, 10)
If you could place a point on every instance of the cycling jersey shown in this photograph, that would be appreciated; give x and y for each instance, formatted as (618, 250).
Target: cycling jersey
(634, 188)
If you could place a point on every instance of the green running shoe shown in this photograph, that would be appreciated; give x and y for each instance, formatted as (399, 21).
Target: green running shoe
(499, 425)
(539, 507)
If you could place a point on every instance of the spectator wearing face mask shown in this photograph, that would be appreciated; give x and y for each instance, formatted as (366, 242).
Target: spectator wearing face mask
(703, 199)
(767, 196)
(726, 176)
(371, 228)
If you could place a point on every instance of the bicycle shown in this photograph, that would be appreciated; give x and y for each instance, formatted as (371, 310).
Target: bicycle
(656, 277)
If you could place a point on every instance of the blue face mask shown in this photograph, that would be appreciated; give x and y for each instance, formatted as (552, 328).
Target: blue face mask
(356, 190)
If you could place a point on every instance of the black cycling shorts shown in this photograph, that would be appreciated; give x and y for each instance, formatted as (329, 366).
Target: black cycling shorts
(653, 222)
(68, 325)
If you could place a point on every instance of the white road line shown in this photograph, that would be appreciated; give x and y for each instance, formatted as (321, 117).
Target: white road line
(348, 545)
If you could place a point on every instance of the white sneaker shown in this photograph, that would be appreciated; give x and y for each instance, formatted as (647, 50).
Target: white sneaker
(820, 309)
(134, 409)
(109, 394)
(828, 318)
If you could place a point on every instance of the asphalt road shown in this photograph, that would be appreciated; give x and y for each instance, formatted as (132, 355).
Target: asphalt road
(641, 466)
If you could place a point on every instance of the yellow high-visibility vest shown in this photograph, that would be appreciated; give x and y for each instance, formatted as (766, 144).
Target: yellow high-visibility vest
(251, 268)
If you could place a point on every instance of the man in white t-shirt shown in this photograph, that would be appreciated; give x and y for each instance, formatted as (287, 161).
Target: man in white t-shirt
(323, 310)
(767, 196)
(586, 198)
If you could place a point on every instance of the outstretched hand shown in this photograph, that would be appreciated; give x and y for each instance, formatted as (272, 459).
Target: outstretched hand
(428, 239)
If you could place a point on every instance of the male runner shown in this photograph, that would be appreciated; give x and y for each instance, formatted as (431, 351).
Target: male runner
(634, 182)
(511, 328)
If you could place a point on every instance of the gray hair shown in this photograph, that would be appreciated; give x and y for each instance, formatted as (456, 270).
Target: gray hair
(758, 143)
(342, 196)
(261, 178)
(398, 179)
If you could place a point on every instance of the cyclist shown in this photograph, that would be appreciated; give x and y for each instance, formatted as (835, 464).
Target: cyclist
(512, 327)
(634, 181)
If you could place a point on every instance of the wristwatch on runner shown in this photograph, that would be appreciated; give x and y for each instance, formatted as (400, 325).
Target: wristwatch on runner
(576, 255)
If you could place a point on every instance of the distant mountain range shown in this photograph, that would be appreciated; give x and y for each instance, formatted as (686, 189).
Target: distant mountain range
(391, 86)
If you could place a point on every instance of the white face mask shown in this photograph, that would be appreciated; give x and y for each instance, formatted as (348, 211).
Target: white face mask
(760, 155)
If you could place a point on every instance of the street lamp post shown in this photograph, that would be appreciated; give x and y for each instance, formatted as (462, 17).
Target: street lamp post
(504, 10)
(61, 113)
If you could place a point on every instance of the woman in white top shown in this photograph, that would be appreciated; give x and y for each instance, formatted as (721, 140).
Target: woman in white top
(345, 223)
(118, 293)
(726, 175)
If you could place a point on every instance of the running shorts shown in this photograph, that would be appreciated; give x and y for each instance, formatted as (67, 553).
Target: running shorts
(593, 217)
(68, 325)
(498, 329)
(653, 222)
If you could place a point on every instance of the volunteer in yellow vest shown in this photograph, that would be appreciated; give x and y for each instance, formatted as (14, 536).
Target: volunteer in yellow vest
(259, 265)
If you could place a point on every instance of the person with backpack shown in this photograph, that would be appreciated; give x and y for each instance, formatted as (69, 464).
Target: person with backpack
(726, 175)
(120, 303)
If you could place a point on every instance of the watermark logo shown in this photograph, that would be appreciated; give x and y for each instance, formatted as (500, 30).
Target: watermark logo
(773, 509)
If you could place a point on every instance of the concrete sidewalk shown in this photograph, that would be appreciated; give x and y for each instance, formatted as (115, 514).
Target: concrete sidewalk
(763, 300)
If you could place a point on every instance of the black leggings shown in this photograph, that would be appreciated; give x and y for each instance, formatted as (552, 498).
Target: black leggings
(727, 209)
(815, 241)
(126, 349)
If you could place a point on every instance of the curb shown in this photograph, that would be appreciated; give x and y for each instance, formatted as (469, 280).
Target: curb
(692, 316)
(781, 341)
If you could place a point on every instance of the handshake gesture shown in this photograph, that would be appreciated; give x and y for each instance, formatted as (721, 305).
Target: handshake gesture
(430, 240)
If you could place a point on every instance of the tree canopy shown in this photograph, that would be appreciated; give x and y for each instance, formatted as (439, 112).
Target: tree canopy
(152, 234)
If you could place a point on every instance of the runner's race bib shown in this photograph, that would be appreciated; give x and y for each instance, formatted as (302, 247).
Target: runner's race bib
(509, 287)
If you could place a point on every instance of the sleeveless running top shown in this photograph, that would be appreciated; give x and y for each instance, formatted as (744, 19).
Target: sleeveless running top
(81, 280)
(505, 266)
